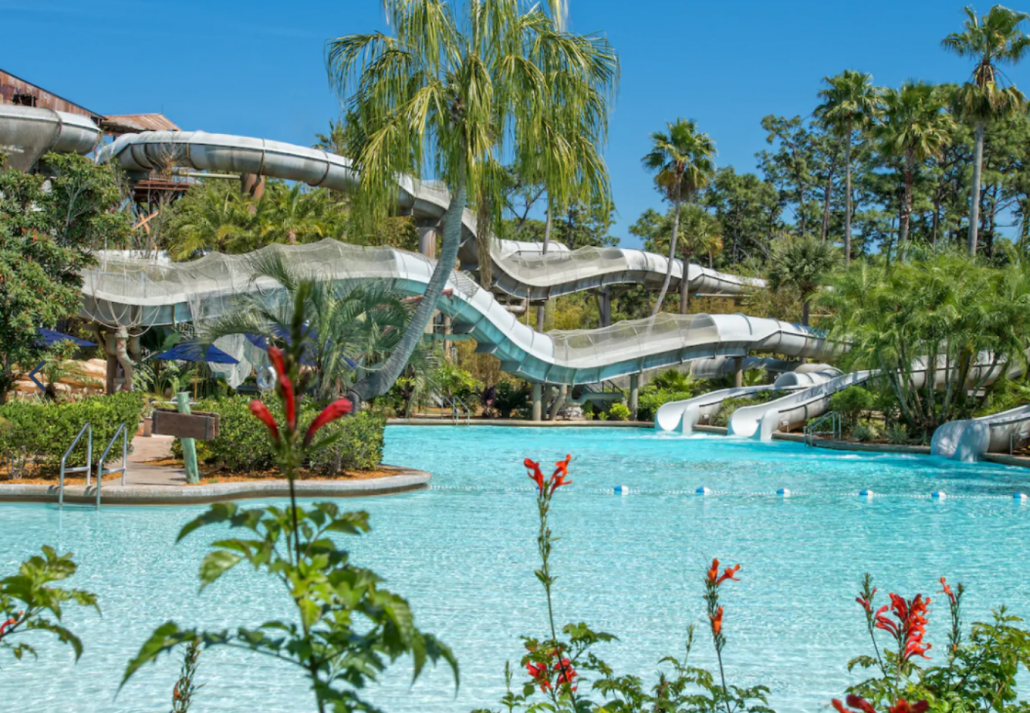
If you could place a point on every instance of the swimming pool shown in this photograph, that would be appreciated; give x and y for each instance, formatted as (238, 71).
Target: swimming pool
(463, 553)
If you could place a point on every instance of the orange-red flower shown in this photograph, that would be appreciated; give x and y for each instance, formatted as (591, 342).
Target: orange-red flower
(947, 590)
(10, 622)
(713, 573)
(540, 675)
(558, 478)
(534, 473)
(337, 409)
(728, 574)
(290, 401)
(903, 706)
(265, 416)
(910, 626)
(176, 696)
(866, 603)
(566, 674)
(855, 702)
(563, 466)
(716, 621)
(275, 355)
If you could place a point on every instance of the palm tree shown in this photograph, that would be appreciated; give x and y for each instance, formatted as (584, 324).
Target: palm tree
(992, 40)
(915, 128)
(683, 162)
(850, 103)
(211, 216)
(336, 141)
(347, 329)
(701, 235)
(453, 92)
(292, 214)
(801, 262)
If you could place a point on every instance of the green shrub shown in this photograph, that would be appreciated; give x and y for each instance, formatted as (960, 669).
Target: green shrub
(864, 432)
(511, 396)
(619, 412)
(897, 435)
(730, 405)
(242, 445)
(653, 399)
(602, 415)
(850, 403)
(43, 430)
(359, 444)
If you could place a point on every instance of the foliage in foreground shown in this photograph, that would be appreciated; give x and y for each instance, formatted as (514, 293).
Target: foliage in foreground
(564, 674)
(346, 628)
(28, 602)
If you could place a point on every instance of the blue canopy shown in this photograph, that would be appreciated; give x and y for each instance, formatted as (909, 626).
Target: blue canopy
(49, 337)
(190, 351)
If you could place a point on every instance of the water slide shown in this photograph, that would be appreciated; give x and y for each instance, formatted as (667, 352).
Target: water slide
(683, 416)
(137, 293)
(968, 440)
(26, 133)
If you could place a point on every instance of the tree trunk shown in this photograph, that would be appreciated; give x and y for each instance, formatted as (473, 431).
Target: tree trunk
(827, 193)
(483, 240)
(906, 199)
(672, 258)
(974, 198)
(805, 309)
(685, 287)
(121, 351)
(379, 382)
(847, 191)
(542, 309)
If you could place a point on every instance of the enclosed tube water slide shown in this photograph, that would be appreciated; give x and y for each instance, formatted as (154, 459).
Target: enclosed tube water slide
(968, 440)
(26, 133)
(521, 269)
(123, 291)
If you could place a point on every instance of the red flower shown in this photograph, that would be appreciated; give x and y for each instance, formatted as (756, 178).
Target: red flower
(286, 389)
(910, 626)
(566, 674)
(265, 416)
(713, 573)
(728, 574)
(540, 676)
(903, 706)
(10, 622)
(275, 355)
(947, 591)
(855, 702)
(176, 696)
(866, 603)
(560, 474)
(563, 466)
(534, 473)
(716, 621)
(337, 409)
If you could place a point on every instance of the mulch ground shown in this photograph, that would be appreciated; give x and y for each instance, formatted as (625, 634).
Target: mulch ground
(214, 475)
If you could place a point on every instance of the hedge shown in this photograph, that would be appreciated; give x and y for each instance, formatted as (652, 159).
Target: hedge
(242, 445)
(42, 431)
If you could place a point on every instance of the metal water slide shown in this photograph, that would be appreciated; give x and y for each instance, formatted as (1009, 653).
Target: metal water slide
(968, 440)
(26, 133)
(136, 293)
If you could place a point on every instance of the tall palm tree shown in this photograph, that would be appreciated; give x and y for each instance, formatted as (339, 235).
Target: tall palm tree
(850, 103)
(801, 262)
(211, 216)
(683, 160)
(292, 214)
(993, 40)
(701, 235)
(915, 128)
(450, 91)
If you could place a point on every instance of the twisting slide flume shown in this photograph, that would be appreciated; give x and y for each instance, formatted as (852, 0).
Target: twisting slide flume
(968, 440)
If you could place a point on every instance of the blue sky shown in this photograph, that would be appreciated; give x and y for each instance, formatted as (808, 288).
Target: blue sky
(256, 68)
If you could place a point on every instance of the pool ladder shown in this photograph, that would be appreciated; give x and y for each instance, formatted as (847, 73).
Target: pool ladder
(122, 431)
(836, 422)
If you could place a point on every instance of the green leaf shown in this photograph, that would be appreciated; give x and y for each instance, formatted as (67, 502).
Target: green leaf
(216, 564)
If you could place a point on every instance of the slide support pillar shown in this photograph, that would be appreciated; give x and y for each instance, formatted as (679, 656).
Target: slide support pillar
(634, 396)
(738, 371)
(538, 402)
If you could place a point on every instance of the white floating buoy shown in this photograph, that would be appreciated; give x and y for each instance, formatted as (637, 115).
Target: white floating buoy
(1021, 497)
(866, 493)
(783, 492)
(938, 495)
(703, 491)
(621, 490)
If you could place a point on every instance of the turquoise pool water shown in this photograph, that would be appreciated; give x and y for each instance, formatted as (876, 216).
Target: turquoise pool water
(463, 552)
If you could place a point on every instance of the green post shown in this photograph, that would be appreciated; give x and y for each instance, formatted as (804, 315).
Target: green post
(189, 446)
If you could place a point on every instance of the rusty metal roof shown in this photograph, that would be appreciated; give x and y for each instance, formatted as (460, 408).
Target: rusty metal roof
(135, 123)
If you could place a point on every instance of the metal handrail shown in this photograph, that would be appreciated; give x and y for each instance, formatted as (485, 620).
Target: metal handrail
(124, 433)
(88, 428)
(836, 426)
(455, 402)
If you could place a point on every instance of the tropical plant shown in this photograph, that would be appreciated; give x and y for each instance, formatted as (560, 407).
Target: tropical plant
(675, 380)
(850, 404)
(801, 263)
(938, 332)
(510, 397)
(850, 103)
(452, 90)
(991, 41)
(28, 601)
(619, 412)
(347, 628)
(210, 216)
(292, 215)
(185, 687)
(915, 127)
(348, 327)
(682, 160)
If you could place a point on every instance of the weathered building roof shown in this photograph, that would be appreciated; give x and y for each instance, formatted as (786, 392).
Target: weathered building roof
(18, 91)
(135, 123)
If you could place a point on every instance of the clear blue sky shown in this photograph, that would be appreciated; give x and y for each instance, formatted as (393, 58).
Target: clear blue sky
(256, 68)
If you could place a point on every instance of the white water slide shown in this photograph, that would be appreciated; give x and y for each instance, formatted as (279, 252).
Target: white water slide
(683, 416)
(969, 439)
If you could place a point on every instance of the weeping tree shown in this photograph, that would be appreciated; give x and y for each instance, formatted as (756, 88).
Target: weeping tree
(994, 40)
(683, 162)
(446, 92)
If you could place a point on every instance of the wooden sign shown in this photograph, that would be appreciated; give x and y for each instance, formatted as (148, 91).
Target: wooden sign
(201, 426)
